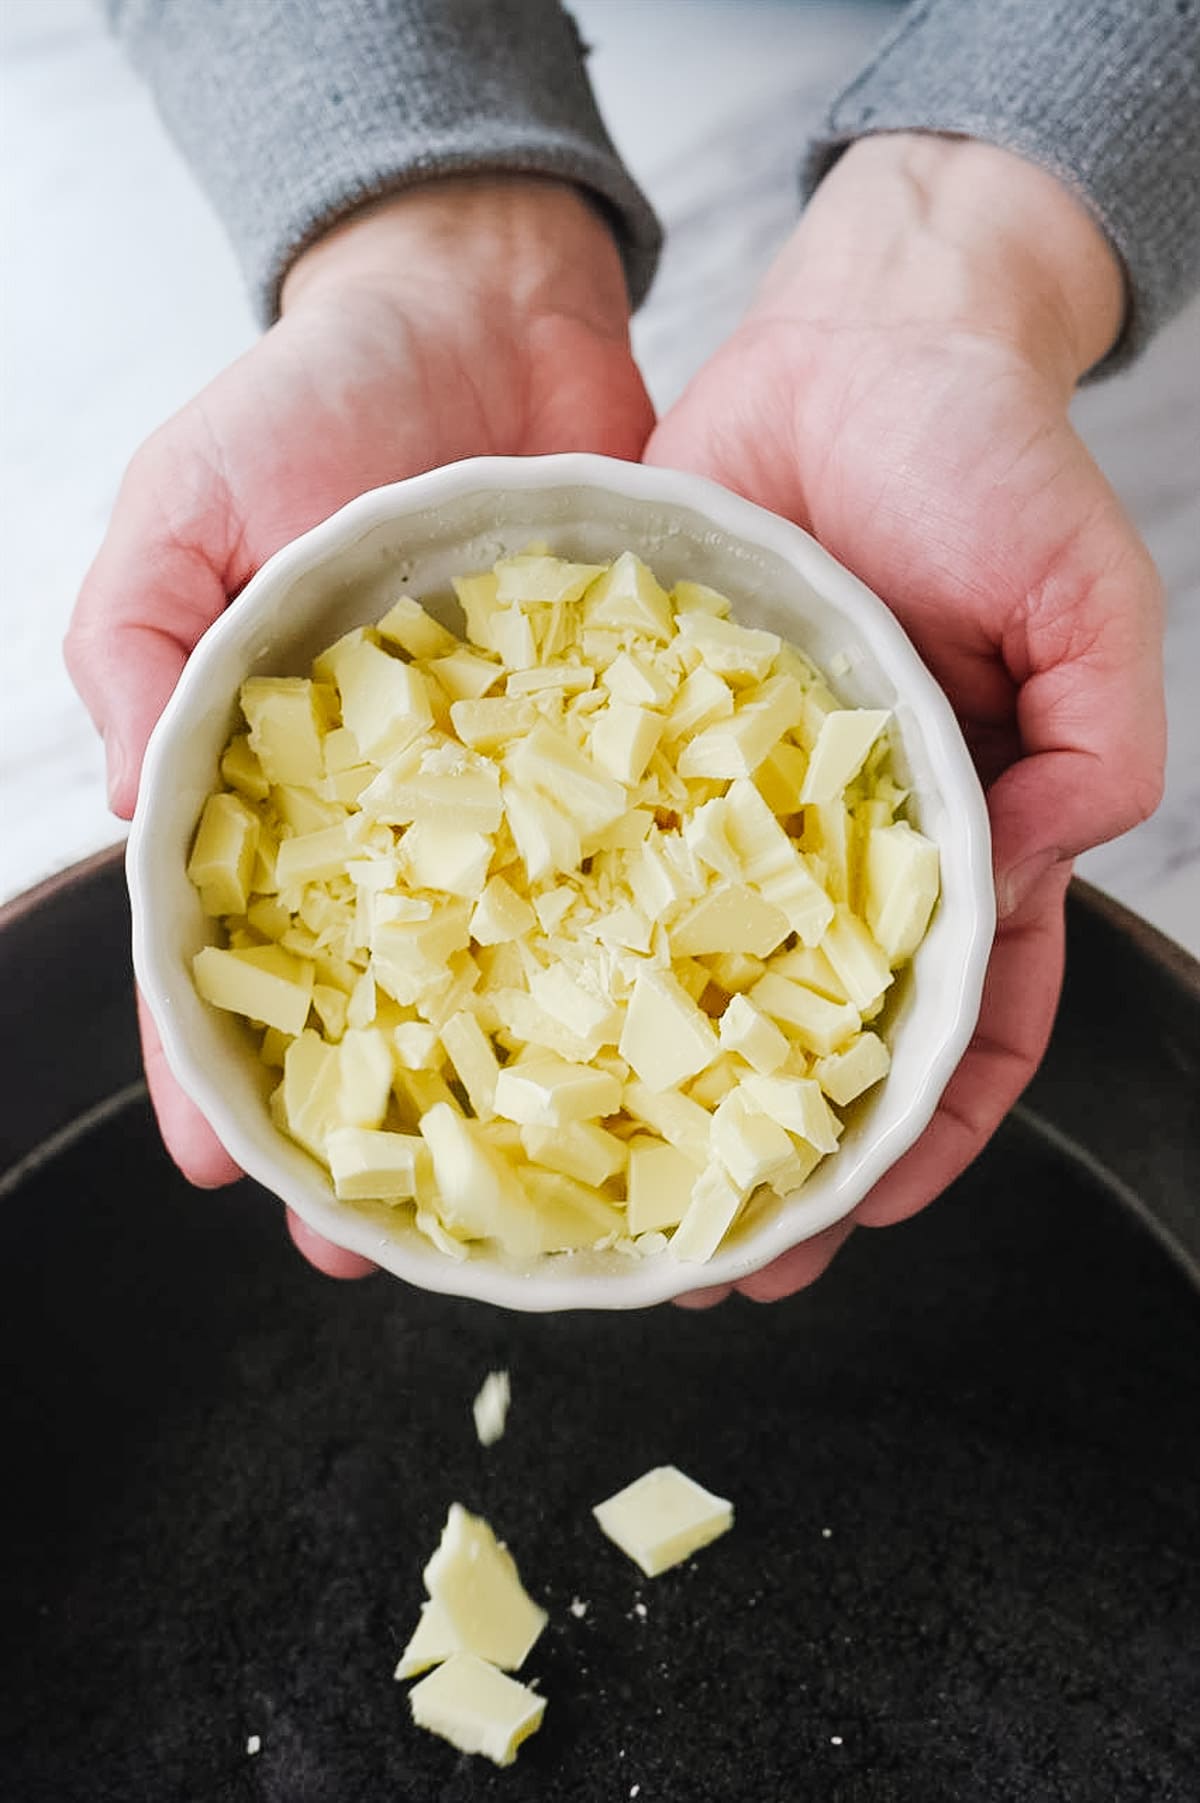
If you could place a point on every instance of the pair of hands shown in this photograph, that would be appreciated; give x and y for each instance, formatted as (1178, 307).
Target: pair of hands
(899, 388)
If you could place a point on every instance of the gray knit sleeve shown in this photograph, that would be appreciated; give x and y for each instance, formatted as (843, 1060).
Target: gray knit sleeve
(1104, 94)
(292, 113)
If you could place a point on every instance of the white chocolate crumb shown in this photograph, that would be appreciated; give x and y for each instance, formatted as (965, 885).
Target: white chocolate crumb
(835, 1740)
(490, 1407)
(578, 1608)
(254, 1744)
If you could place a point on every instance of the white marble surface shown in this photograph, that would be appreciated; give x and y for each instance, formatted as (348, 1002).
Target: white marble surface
(120, 298)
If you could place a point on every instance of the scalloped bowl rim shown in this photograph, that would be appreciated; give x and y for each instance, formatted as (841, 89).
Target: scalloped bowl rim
(563, 1281)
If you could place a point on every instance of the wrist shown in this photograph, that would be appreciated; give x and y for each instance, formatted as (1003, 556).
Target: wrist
(528, 244)
(912, 229)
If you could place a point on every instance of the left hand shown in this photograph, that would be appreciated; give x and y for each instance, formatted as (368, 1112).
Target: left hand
(900, 388)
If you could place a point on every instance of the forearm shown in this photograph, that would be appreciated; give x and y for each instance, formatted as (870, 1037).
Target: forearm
(1105, 99)
(294, 114)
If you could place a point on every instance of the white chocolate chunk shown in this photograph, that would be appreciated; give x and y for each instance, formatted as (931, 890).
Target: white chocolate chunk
(746, 1030)
(845, 1075)
(242, 770)
(531, 578)
(416, 1044)
(365, 1072)
(436, 855)
(385, 702)
(661, 1180)
(581, 1149)
(546, 760)
(479, 1193)
(674, 1117)
(490, 1407)
(820, 1025)
(546, 838)
(571, 1215)
(476, 1708)
(222, 861)
(464, 675)
(500, 914)
(470, 1052)
(623, 738)
(488, 724)
(737, 746)
(737, 652)
(901, 888)
(798, 1105)
(586, 1012)
(731, 917)
(263, 983)
(550, 1092)
(474, 1579)
(407, 624)
(702, 699)
(639, 680)
(433, 1640)
(627, 595)
(663, 1518)
(368, 1165)
(666, 1038)
(313, 857)
(470, 796)
(285, 729)
(697, 597)
(860, 965)
(843, 742)
(714, 1207)
(780, 777)
(751, 1145)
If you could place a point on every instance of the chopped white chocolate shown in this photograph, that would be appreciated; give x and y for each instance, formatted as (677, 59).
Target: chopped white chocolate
(368, 1165)
(843, 742)
(661, 1180)
(476, 1708)
(746, 1030)
(473, 1578)
(562, 936)
(665, 1038)
(433, 1640)
(844, 1075)
(715, 1205)
(490, 1407)
(662, 1518)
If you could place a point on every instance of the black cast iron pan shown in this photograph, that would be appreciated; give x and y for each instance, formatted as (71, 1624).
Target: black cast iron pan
(965, 1564)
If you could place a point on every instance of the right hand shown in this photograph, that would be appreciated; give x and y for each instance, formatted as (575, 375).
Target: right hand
(471, 316)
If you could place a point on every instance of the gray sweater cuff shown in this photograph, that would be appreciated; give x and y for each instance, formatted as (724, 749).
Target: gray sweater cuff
(293, 113)
(1104, 96)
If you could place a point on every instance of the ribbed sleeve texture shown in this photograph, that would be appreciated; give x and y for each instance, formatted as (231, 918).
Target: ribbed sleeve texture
(292, 113)
(1105, 94)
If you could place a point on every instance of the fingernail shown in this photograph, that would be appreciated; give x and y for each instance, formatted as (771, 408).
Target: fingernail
(1015, 886)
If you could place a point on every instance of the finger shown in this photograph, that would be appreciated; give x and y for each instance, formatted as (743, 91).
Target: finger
(1088, 658)
(333, 1260)
(796, 1269)
(153, 589)
(186, 1134)
(1020, 998)
(698, 1300)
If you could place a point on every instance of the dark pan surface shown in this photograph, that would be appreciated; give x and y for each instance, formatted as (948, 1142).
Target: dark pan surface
(224, 1474)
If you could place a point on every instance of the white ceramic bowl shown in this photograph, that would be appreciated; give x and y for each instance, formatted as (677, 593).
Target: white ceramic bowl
(415, 536)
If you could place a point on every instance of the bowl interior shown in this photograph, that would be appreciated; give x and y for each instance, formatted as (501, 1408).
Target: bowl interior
(413, 538)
